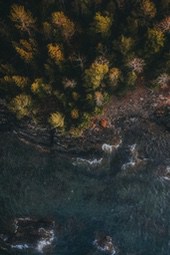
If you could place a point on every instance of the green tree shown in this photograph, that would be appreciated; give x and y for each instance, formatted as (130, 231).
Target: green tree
(156, 40)
(131, 79)
(126, 44)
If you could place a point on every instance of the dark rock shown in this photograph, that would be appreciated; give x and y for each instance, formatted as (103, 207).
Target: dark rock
(29, 234)
(105, 244)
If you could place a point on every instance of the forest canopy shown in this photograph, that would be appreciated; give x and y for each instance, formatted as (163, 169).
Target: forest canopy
(62, 60)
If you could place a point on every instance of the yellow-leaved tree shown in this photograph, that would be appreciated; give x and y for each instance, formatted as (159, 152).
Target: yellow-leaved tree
(148, 8)
(96, 73)
(75, 114)
(114, 76)
(102, 24)
(26, 49)
(66, 26)
(20, 81)
(40, 88)
(21, 105)
(56, 120)
(22, 18)
(55, 52)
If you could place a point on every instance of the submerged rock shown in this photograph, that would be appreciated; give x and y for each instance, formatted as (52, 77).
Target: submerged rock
(134, 158)
(105, 244)
(29, 234)
(163, 172)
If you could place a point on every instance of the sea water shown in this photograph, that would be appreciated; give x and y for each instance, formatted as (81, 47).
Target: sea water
(86, 199)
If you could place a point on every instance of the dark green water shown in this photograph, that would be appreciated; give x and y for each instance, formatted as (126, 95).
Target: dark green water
(133, 207)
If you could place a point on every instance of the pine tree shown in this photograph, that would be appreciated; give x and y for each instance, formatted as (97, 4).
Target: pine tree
(148, 8)
(156, 40)
(114, 75)
(21, 105)
(26, 49)
(75, 114)
(41, 88)
(102, 24)
(22, 18)
(20, 81)
(66, 26)
(56, 120)
(96, 73)
(55, 52)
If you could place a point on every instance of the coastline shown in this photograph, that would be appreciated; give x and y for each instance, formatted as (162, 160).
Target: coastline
(141, 103)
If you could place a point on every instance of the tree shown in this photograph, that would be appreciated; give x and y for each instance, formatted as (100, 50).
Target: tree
(99, 98)
(75, 114)
(163, 80)
(73, 55)
(21, 105)
(54, 51)
(26, 49)
(41, 88)
(131, 79)
(148, 8)
(126, 44)
(136, 64)
(164, 25)
(114, 76)
(7, 69)
(56, 120)
(96, 73)
(156, 40)
(20, 81)
(66, 26)
(22, 18)
(47, 29)
(102, 24)
(69, 83)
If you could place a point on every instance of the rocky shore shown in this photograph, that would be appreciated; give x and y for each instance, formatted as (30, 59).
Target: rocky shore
(142, 104)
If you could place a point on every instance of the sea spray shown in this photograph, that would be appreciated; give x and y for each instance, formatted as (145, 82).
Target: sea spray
(87, 162)
(108, 148)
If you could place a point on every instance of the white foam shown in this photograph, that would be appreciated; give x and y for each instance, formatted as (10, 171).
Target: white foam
(44, 242)
(167, 174)
(20, 246)
(132, 147)
(93, 162)
(133, 159)
(168, 169)
(107, 148)
(166, 178)
(128, 165)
